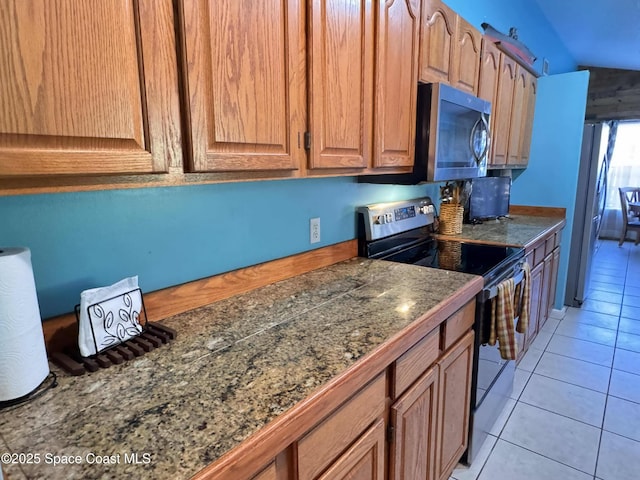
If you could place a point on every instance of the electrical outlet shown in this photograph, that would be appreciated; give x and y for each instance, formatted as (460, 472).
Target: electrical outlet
(314, 230)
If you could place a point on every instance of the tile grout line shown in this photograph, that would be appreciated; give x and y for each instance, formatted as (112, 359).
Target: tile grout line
(548, 458)
(606, 400)
(563, 415)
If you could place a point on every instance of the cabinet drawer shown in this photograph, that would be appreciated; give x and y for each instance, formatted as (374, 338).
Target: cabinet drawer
(538, 254)
(550, 244)
(553, 242)
(458, 324)
(322, 445)
(415, 361)
(269, 473)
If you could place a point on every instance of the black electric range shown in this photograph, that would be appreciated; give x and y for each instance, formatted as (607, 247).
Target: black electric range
(403, 232)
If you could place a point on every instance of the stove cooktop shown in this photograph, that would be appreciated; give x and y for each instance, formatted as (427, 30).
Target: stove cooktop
(474, 258)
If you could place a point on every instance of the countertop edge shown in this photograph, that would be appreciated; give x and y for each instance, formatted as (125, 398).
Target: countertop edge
(545, 233)
(559, 224)
(260, 448)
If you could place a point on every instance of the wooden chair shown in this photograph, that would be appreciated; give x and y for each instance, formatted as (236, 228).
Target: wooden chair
(630, 218)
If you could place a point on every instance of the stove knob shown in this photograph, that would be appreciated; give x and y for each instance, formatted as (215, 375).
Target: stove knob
(379, 220)
(426, 209)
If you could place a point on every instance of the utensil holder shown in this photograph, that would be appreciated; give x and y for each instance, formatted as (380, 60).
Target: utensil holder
(451, 218)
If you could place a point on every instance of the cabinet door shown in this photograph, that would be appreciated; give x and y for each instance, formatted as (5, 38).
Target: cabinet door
(78, 90)
(546, 289)
(536, 298)
(278, 469)
(396, 82)
(437, 42)
(327, 442)
(489, 73)
(341, 86)
(364, 460)
(502, 110)
(269, 473)
(245, 78)
(529, 106)
(466, 70)
(553, 281)
(488, 85)
(453, 406)
(518, 111)
(413, 418)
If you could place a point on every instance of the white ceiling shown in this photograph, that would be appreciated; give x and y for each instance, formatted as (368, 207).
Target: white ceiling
(598, 33)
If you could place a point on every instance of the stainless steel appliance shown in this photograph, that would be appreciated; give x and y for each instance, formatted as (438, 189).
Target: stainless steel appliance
(452, 137)
(589, 208)
(489, 198)
(402, 232)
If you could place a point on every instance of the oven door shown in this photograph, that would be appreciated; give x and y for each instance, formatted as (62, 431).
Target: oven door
(492, 381)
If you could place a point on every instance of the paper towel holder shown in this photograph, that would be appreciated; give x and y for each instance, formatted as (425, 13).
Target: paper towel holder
(50, 381)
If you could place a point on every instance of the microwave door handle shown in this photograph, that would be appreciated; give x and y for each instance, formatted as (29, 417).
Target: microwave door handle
(479, 156)
(485, 122)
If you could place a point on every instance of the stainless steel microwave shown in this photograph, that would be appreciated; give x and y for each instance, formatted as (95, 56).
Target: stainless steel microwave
(452, 133)
(452, 137)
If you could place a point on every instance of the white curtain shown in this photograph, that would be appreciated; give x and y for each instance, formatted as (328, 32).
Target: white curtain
(624, 171)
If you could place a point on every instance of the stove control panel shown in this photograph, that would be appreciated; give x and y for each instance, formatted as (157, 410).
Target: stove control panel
(384, 219)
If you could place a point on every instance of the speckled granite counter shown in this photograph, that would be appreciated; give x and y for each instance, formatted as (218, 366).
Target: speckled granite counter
(517, 230)
(235, 366)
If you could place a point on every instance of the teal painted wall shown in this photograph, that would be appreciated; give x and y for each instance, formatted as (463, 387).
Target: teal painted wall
(533, 28)
(552, 176)
(172, 235)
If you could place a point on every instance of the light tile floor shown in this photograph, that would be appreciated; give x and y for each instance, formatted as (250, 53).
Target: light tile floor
(575, 409)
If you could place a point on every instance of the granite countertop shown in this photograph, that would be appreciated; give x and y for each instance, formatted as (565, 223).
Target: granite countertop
(515, 230)
(236, 365)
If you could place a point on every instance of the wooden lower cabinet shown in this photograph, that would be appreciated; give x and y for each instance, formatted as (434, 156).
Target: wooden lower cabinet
(413, 418)
(278, 469)
(536, 297)
(544, 259)
(453, 406)
(364, 460)
(331, 445)
(553, 280)
(431, 419)
(546, 291)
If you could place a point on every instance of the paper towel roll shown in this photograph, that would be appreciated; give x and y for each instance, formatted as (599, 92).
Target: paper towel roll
(23, 357)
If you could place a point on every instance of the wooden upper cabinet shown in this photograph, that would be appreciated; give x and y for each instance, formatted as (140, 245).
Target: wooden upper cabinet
(437, 42)
(502, 110)
(528, 110)
(396, 82)
(466, 69)
(245, 80)
(341, 83)
(511, 89)
(488, 84)
(518, 111)
(489, 72)
(87, 87)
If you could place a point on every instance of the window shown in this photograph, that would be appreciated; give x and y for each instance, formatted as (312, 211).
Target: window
(624, 171)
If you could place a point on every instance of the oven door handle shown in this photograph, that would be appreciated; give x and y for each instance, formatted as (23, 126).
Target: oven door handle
(489, 293)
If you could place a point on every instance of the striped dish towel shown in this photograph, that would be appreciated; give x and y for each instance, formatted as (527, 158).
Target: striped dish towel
(502, 318)
(525, 304)
(510, 302)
